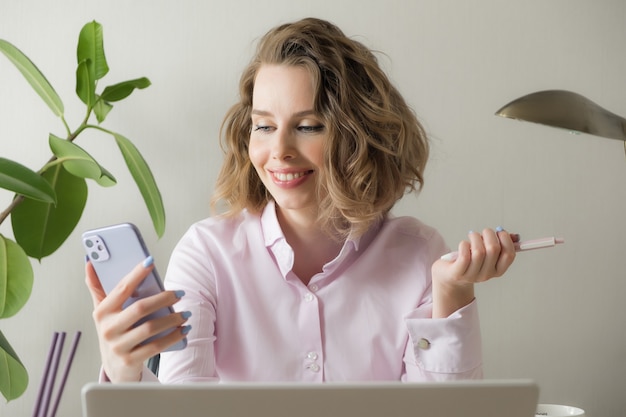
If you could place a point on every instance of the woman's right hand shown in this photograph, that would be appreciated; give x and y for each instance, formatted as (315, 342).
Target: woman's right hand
(121, 348)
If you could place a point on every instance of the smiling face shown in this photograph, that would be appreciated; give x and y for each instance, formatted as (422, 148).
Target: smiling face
(287, 137)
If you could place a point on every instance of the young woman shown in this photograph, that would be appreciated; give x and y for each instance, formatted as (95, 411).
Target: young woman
(306, 276)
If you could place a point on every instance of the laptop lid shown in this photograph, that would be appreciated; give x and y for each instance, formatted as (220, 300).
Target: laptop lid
(481, 398)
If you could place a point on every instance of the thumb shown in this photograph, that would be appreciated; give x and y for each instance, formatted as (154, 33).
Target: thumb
(94, 285)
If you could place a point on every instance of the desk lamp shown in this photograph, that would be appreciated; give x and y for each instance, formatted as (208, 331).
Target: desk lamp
(566, 110)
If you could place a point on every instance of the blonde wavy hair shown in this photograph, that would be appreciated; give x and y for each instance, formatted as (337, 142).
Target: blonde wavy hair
(376, 150)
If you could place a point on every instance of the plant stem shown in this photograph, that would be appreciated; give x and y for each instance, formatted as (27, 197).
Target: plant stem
(71, 136)
(100, 128)
(67, 128)
(16, 201)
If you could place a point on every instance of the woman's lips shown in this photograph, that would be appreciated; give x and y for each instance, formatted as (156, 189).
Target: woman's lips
(291, 178)
(282, 176)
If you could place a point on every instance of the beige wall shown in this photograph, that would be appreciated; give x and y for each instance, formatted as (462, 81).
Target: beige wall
(556, 317)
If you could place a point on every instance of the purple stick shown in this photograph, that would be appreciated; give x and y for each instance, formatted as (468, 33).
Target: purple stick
(44, 377)
(66, 372)
(52, 375)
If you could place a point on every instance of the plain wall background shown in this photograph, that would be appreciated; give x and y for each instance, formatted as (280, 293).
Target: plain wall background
(556, 317)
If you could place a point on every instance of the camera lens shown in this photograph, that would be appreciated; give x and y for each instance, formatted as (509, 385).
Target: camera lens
(94, 255)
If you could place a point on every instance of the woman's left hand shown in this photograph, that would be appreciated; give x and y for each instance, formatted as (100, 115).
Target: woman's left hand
(483, 256)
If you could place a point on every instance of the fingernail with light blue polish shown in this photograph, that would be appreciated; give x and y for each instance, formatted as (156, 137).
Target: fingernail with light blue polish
(148, 261)
(185, 329)
(499, 229)
(179, 293)
(185, 314)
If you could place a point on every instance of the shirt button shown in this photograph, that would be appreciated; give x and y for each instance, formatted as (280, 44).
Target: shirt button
(312, 355)
(423, 344)
(313, 287)
(308, 297)
(314, 367)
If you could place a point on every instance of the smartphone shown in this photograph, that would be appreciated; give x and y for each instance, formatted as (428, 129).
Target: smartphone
(114, 251)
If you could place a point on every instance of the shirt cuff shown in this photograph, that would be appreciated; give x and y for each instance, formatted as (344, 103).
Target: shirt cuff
(146, 376)
(451, 345)
(102, 377)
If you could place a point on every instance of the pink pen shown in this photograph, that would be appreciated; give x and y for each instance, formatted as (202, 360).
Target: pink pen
(545, 242)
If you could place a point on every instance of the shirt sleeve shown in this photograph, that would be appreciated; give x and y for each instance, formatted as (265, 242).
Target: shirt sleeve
(443, 349)
(190, 270)
(146, 376)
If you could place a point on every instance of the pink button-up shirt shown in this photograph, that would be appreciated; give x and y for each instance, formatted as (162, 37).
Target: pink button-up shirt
(365, 317)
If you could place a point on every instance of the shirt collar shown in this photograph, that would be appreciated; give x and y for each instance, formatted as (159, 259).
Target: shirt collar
(273, 233)
(270, 226)
(276, 243)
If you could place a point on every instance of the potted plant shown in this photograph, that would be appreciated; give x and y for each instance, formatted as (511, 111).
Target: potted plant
(48, 203)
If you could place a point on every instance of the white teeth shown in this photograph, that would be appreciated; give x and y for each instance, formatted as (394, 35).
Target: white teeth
(288, 177)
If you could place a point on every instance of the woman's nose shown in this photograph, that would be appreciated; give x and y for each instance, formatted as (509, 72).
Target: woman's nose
(282, 145)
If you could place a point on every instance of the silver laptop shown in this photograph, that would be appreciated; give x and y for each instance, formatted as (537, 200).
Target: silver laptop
(482, 398)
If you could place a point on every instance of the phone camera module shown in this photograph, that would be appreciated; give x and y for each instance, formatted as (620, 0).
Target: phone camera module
(96, 248)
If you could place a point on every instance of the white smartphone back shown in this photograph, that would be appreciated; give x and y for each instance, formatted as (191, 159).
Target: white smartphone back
(114, 251)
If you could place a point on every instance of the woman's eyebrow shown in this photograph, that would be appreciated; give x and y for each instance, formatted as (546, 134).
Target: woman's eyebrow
(303, 113)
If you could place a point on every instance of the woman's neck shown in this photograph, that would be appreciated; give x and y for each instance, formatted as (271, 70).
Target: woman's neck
(312, 247)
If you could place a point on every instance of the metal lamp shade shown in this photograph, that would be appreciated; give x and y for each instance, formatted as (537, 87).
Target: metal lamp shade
(566, 110)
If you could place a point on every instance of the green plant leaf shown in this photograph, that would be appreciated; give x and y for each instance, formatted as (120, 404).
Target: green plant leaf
(22, 180)
(101, 109)
(13, 374)
(78, 162)
(122, 90)
(85, 83)
(142, 175)
(16, 282)
(40, 228)
(16, 277)
(91, 48)
(34, 77)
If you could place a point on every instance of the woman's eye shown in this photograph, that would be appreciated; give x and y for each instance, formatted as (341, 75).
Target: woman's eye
(311, 129)
(261, 128)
